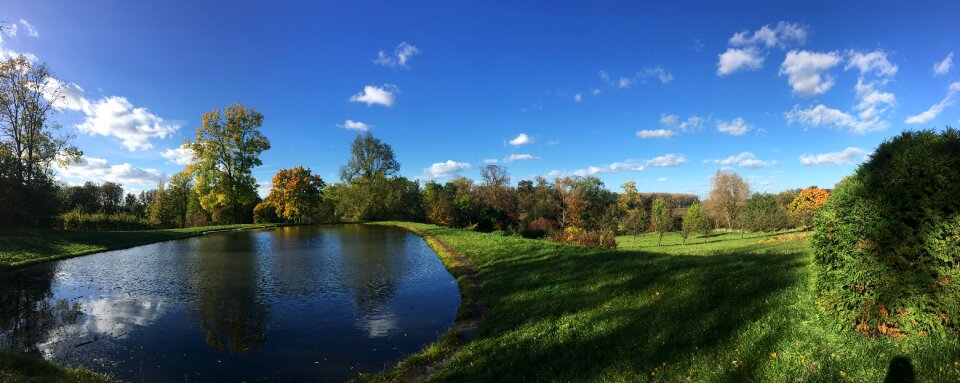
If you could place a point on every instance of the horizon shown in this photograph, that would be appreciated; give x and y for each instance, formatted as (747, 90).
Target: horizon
(789, 96)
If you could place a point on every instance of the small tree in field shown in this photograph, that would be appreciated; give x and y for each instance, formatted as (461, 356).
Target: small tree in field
(692, 222)
(660, 218)
(634, 218)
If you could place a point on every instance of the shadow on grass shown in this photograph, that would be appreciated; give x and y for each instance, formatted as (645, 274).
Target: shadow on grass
(562, 313)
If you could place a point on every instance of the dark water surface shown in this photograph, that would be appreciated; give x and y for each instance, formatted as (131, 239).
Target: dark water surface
(298, 304)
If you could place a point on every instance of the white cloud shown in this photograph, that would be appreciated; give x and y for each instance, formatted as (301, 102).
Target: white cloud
(656, 133)
(669, 119)
(355, 125)
(820, 115)
(745, 160)
(401, 55)
(135, 126)
(578, 97)
(736, 127)
(735, 60)
(692, 123)
(873, 104)
(661, 74)
(782, 34)
(937, 108)
(521, 139)
(376, 95)
(490, 160)
(943, 67)
(875, 62)
(595, 92)
(520, 157)
(442, 170)
(667, 161)
(10, 30)
(806, 71)
(100, 170)
(65, 96)
(31, 30)
(624, 82)
(180, 156)
(844, 157)
(662, 179)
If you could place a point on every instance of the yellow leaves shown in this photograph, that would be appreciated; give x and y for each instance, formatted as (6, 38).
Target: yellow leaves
(773, 355)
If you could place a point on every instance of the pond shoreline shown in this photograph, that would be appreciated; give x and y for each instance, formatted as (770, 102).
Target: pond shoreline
(418, 367)
(151, 237)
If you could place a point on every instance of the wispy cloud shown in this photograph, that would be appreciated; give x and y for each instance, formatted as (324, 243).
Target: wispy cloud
(521, 139)
(935, 110)
(844, 157)
(943, 66)
(355, 125)
(400, 57)
(745, 160)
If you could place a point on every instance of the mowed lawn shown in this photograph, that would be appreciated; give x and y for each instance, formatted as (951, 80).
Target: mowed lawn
(729, 307)
(25, 246)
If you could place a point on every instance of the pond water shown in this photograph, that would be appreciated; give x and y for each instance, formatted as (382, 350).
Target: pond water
(299, 304)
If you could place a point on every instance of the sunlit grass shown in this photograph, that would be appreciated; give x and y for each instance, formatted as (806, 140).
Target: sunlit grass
(732, 308)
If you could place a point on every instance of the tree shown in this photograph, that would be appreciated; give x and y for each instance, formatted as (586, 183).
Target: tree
(660, 218)
(807, 203)
(226, 150)
(296, 193)
(886, 244)
(177, 197)
(762, 213)
(496, 195)
(634, 218)
(728, 195)
(369, 157)
(28, 145)
(110, 197)
(692, 222)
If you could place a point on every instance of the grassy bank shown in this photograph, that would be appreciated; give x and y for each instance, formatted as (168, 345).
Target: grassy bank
(30, 369)
(20, 247)
(723, 308)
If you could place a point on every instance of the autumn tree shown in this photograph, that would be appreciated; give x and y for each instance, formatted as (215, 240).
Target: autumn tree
(574, 203)
(226, 150)
(727, 197)
(807, 203)
(633, 220)
(693, 222)
(296, 193)
(29, 143)
(497, 196)
(660, 218)
(177, 197)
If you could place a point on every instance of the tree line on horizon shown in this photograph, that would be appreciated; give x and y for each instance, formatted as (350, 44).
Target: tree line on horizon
(217, 186)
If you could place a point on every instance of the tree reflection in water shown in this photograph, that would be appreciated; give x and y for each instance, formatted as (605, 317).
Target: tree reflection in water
(371, 271)
(228, 305)
(28, 315)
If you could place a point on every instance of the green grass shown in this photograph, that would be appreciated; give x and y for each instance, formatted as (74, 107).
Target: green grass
(30, 369)
(729, 309)
(20, 247)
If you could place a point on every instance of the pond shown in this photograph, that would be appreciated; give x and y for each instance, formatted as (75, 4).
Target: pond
(308, 303)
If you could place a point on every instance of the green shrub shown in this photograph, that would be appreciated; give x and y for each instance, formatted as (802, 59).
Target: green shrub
(887, 242)
(74, 220)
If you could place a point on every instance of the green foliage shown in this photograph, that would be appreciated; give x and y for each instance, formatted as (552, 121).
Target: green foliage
(226, 150)
(692, 222)
(604, 239)
(369, 157)
(265, 212)
(75, 220)
(763, 212)
(660, 218)
(885, 243)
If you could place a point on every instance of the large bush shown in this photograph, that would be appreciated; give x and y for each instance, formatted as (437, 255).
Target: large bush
(887, 242)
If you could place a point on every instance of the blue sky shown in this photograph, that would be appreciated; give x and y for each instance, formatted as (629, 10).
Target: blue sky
(787, 95)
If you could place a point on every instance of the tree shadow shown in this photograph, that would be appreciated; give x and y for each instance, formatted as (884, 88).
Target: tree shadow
(574, 314)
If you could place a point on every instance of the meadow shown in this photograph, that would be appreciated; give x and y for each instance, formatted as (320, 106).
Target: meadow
(728, 307)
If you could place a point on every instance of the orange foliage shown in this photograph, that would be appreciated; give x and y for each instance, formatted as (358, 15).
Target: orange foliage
(809, 199)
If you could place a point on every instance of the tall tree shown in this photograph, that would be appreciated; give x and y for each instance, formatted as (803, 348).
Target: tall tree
(633, 220)
(28, 145)
(660, 218)
(727, 197)
(110, 197)
(497, 196)
(369, 157)
(226, 150)
(177, 196)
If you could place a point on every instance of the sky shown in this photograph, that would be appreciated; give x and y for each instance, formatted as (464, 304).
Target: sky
(665, 94)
